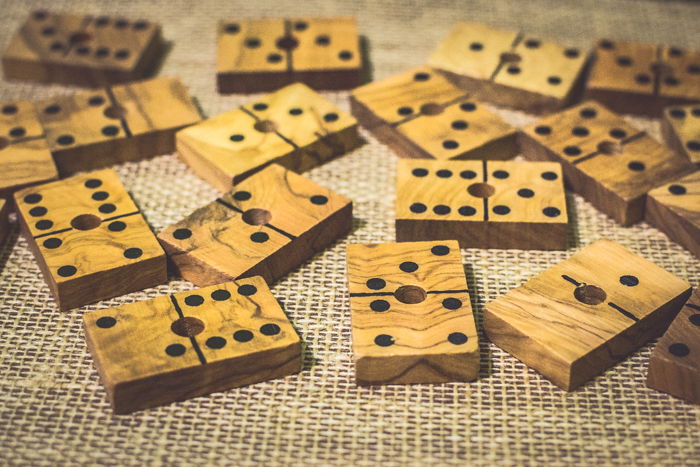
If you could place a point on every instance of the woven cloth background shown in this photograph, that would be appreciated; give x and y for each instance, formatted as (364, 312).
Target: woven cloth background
(53, 408)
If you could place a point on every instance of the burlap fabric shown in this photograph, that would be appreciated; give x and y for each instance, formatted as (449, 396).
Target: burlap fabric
(52, 405)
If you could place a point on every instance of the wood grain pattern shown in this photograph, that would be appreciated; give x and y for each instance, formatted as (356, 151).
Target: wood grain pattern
(4, 220)
(294, 127)
(266, 54)
(267, 226)
(82, 50)
(412, 320)
(419, 114)
(25, 158)
(610, 163)
(674, 366)
(585, 314)
(95, 129)
(89, 239)
(510, 68)
(494, 204)
(630, 77)
(680, 128)
(675, 210)
(188, 344)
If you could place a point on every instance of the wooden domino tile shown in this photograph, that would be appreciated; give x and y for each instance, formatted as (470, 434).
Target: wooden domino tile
(420, 114)
(89, 238)
(482, 204)
(675, 209)
(294, 127)
(96, 129)
(585, 314)
(680, 128)
(188, 344)
(511, 68)
(25, 158)
(4, 220)
(629, 77)
(82, 50)
(412, 320)
(267, 226)
(610, 163)
(266, 54)
(674, 366)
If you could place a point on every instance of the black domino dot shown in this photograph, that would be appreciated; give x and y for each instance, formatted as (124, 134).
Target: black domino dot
(408, 266)
(301, 25)
(269, 329)
(513, 69)
(543, 130)
(618, 133)
(677, 113)
(345, 55)
(110, 130)
(554, 80)
(421, 76)
(551, 211)
(384, 340)
(457, 338)
(379, 305)
(121, 54)
(65, 140)
(52, 243)
(232, 28)
(259, 237)
(252, 42)
(459, 125)
(133, 253)
(441, 210)
(636, 166)
(467, 211)
(215, 342)
(440, 250)
(419, 172)
(675, 52)
(274, 58)
(444, 173)
(194, 300)
(501, 210)
(677, 189)
(247, 290)
(182, 234)
(580, 131)
(376, 283)
(501, 174)
(259, 106)
(243, 335)
(38, 211)
(67, 271)
(175, 350)
(17, 132)
(468, 106)
(572, 150)
(624, 61)
(671, 81)
(121, 23)
(330, 117)
(44, 224)
(100, 195)
(242, 195)
(319, 200)
(10, 109)
(96, 101)
(695, 112)
(642, 78)
(418, 208)
(93, 183)
(33, 198)
(629, 281)
(532, 43)
(679, 350)
(52, 109)
(694, 319)
(693, 145)
(450, 144)
(526, 193)
(549, 175)
(116, 226)
(693, 69)
(452, 303)
(295, 111)
(237, 138)
(220, 295)
(467, 174)
(323, 40)
(82, 50)
(476, 46)
(405, 110)
(107, 208)
(588, 112)
(105, 322)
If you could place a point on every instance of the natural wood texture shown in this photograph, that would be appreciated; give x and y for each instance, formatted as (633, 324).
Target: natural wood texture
(95, 129)
(419, 114)
(267, 226)
(675, 210)
(265, 54)
(610, 163)
(25, 158)
(674, 366)
(680, 128)
(585, 314)
(82, 50)
(494, 204)
(4, 220)
(510, 68)
(294, 127)
(412, 320)
(188, 344)
(629, 77)
(89, 239)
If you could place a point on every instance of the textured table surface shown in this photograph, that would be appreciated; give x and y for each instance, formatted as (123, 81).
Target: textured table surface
(53, 408)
